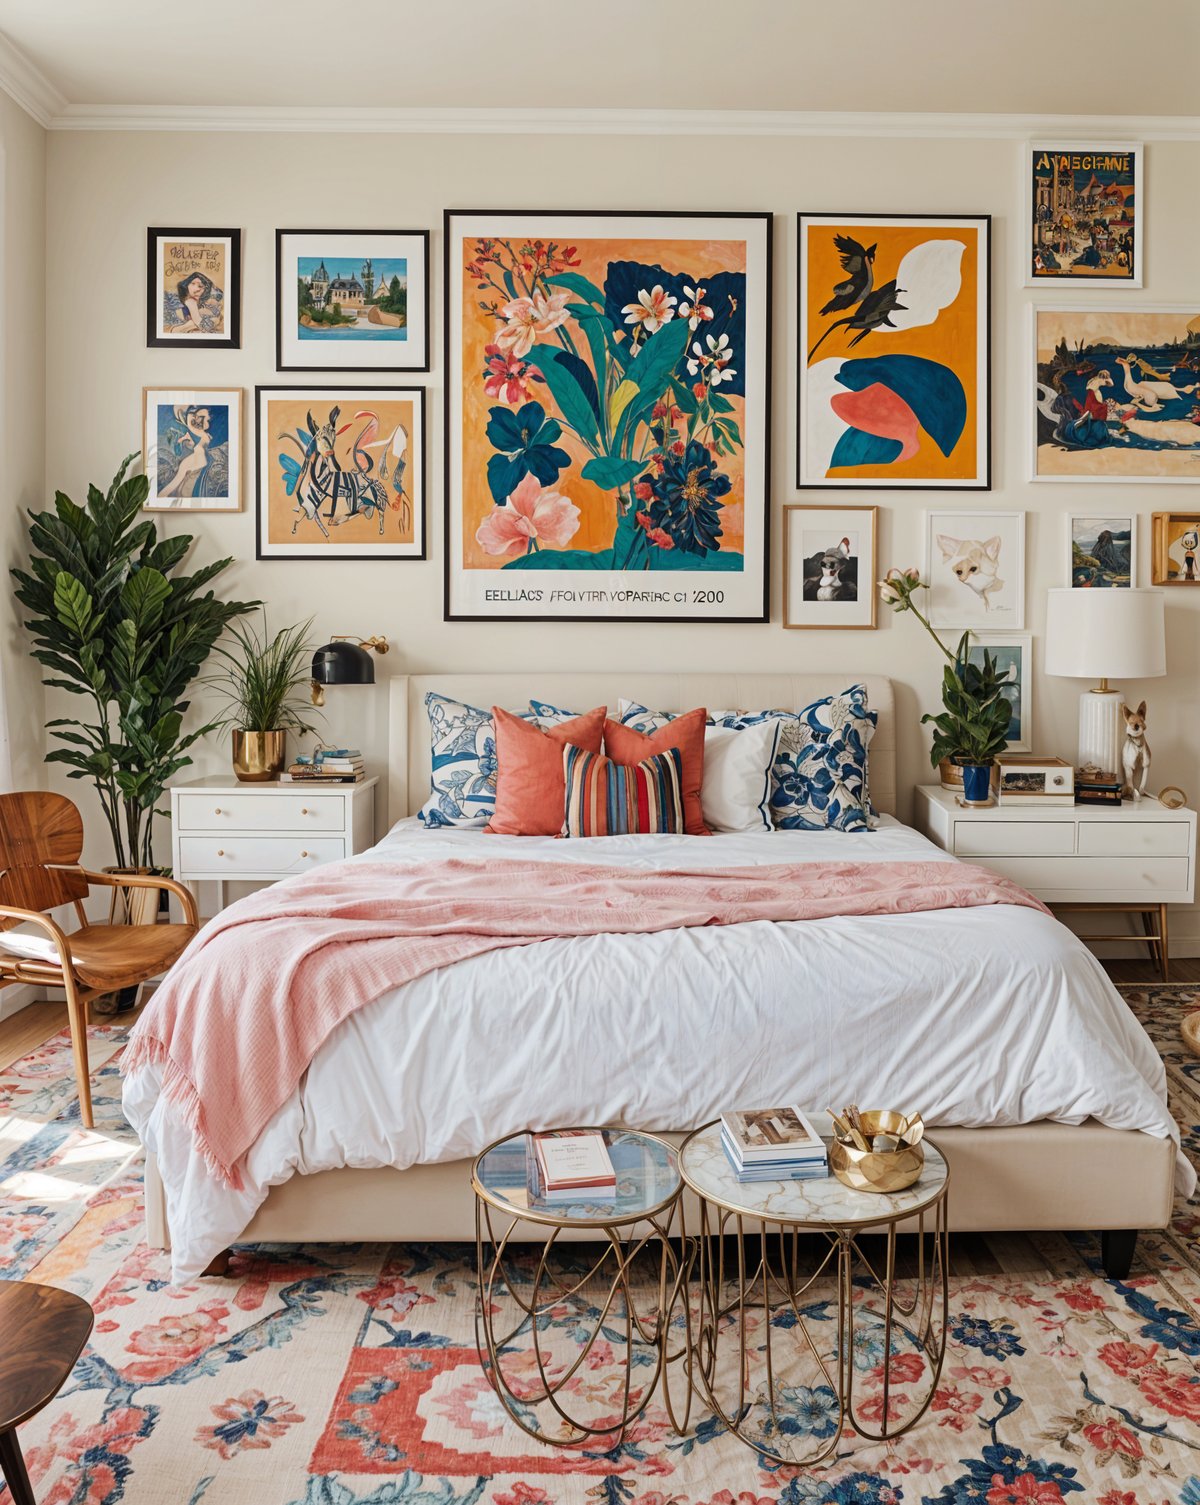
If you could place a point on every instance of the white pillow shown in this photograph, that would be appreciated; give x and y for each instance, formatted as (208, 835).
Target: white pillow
(736, 792)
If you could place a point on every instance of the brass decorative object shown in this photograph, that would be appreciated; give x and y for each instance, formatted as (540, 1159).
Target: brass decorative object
(259, 757)
(879, 1170)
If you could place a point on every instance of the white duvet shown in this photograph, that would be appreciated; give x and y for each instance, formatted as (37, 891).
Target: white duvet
(988, 1016)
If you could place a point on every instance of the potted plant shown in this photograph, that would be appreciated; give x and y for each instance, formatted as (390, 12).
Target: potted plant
(973, 725)
(260, 679)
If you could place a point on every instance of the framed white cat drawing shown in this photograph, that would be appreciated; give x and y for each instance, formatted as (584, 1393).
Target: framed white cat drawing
(975, 566)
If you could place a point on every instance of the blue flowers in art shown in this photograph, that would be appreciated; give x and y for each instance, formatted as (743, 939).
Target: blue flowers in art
(527, 441)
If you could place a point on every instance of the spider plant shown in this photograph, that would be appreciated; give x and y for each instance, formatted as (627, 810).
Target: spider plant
(261, 677)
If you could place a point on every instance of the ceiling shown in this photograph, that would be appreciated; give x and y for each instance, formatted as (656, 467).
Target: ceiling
(1104, 57)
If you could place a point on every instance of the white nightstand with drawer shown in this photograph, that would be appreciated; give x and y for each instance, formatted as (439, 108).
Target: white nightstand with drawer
(226, 832)
(1136, 859)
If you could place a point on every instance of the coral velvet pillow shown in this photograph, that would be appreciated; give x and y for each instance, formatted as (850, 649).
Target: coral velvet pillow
(530, 785)
(625, 745)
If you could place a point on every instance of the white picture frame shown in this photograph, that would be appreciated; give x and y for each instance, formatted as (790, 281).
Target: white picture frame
(849, 533)
(975, 567)
(1026, 241)
(1013, 650)
(1088, 530)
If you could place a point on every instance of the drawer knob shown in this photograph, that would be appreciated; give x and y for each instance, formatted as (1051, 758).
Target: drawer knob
(304, 854)
(217, 811)
(303, 809)
(220, 851)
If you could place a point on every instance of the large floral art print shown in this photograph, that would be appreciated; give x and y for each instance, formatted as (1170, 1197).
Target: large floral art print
(607, 415)
(893, 351)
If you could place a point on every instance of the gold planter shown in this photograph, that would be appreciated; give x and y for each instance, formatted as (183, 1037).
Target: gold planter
(259, 756)
(877, 1170)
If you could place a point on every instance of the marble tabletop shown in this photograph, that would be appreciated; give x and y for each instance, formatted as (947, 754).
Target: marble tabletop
(820, 1203)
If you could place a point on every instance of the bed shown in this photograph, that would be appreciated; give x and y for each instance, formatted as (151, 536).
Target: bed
(996, 1022)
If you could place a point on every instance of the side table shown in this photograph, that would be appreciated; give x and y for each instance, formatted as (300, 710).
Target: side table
(515, 1316)
(768, 1310)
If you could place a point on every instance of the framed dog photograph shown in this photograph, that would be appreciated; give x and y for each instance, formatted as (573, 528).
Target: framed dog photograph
(975, 566)
(1012, 653)
(829, 566)
(192, 449)
(1103, 550)
(1176, 548)
(193, 288)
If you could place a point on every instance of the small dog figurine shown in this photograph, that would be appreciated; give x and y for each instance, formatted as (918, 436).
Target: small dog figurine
(1135, 752)
(974, 563)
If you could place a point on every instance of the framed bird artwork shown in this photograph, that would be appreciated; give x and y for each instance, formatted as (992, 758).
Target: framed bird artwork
(893, 347)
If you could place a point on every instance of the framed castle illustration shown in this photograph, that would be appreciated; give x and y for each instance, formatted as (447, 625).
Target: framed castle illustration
(192, 449)
(607, 409)
(1083, 214)
(340, 472)
(352, 300)
(194, 289)
(1116, 394)
(894, 383)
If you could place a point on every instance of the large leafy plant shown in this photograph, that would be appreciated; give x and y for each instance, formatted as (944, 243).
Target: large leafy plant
(114, 621)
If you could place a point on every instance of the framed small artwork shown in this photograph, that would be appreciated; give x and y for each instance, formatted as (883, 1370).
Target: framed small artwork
(1116, 394)
(607, 410)
(829, 566)
(975, 566)
(194, 288)
(192, 448)
(1176, 541)
(894, 351)
(340, 472)
(1012, 653)
(1103, 550)
(1083, 213)
(352, 300)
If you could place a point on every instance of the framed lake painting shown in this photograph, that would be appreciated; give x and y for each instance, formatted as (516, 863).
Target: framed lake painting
(1083, 214)
(975, 566)
(1103, 550)
(340, 472)
(893, 351)
(829, 566)
(1012, 653)
(194, 288)
(192, 448)
(1116, 394)
(352, 300)
(607, 409)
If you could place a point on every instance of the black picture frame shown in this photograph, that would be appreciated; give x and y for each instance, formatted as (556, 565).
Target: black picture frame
(767, 219)
(232, 338)
(359, 367)
(805, 483)
(422, 469)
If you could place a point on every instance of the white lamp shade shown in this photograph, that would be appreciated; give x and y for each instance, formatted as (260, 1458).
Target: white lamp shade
(1105, 634)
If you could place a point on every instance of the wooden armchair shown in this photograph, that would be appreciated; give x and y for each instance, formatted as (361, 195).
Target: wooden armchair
(41, 842)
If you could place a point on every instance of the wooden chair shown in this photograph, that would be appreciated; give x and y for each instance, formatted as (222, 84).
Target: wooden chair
(41, 842)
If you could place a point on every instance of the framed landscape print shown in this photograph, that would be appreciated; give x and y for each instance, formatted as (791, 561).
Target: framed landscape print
(1176, 539)
(1116, 394)
(893, 351)
(352, 300)
(829, 566)
(340, 472)
(194, 288)
(1083, 214)
(607, 408)
(1103, 550)
(192, 448)
(1012, 653)
(975, 566)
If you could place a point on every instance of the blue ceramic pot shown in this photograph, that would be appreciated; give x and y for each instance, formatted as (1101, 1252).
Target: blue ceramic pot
(977, 780)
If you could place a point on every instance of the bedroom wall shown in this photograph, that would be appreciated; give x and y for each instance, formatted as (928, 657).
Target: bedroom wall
(103, 189)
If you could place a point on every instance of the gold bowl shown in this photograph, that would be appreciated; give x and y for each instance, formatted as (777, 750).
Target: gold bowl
(877, 1170)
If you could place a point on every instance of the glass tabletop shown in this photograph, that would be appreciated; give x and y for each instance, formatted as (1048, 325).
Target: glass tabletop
(820, 1203)
(647, 1172)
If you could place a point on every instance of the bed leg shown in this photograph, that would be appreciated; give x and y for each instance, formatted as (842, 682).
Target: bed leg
(219, 1264)
(1117, 1247)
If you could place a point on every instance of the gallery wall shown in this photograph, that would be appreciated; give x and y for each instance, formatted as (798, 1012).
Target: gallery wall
(105, 188)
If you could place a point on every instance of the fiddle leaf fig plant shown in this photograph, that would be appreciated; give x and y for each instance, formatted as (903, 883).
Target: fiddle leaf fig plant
(113, 620)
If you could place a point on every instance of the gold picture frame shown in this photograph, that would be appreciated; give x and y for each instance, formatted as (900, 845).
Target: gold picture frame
(822, 601)
(1175, 548)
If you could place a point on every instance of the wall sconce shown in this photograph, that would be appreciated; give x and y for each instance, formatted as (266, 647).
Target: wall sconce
(344, 660)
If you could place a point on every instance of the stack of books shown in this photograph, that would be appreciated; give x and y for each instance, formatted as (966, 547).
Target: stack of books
(1095, 787)
(328, 765)
(773, 1144)
(571, 1165)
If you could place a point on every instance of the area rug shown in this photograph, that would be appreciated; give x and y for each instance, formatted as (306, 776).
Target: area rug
(347, 1375)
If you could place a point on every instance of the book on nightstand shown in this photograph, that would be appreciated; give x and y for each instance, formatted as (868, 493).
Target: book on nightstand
(571, 1165)
(773, 1144)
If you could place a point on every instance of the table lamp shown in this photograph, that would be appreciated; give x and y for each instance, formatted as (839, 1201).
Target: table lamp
(1108, 633)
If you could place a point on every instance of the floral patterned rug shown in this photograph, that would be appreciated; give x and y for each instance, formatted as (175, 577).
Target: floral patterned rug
(347, 1375)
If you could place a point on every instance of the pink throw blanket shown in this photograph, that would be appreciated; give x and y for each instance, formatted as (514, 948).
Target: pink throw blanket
(258, 992)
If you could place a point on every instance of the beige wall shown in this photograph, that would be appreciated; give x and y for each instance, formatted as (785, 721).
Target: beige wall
(104, 189)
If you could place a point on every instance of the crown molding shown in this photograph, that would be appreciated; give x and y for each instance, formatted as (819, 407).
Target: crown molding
(28, 86)
(604, 122)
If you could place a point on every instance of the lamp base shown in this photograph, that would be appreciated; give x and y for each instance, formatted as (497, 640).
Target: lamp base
(1100, 729)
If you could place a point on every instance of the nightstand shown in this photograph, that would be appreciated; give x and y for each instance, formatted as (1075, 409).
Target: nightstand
(223, 831)
(1136, 859)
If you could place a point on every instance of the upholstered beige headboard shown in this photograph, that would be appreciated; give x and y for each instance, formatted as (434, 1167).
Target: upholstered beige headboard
(409, 759)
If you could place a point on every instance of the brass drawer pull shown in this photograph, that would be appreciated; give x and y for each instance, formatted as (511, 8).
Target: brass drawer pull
(220, 851)
(303, 809)
(217, 811)
(304, 854)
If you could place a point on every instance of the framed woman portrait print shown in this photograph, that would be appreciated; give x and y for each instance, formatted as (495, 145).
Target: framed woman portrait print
(193, 288)
(192, 449)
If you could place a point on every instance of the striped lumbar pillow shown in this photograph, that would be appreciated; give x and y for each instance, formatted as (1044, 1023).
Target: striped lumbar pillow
(615, 799)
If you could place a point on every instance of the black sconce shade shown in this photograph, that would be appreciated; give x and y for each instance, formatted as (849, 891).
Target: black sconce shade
(343, 664)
